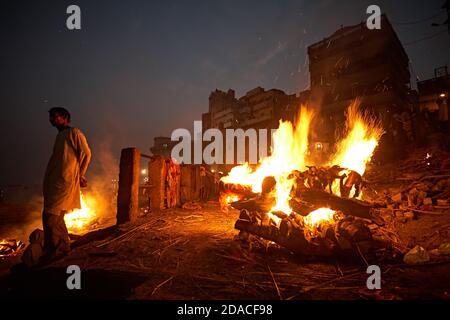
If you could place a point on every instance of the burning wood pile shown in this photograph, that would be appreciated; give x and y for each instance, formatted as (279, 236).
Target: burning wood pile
(10, 247)
(312, 210)
(319, 223)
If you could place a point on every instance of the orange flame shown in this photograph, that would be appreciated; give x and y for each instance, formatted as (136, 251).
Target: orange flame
(79, 220)
(290, 146)
(356, 149)
(363, 134)
(315, 218)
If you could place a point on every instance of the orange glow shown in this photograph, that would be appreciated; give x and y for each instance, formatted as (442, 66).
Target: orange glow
(226, 198)
(363, 134)
(315, 218)
(290, 145)
(78, 221)
(356, 149)
(289, 152)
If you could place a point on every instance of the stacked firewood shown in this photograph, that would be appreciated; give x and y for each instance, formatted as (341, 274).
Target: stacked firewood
(343, 236)
(347, 232)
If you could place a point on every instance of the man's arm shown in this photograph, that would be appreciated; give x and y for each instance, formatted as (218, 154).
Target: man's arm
(83, 152)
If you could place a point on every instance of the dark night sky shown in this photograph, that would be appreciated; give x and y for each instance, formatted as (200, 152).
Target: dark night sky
(139, 69)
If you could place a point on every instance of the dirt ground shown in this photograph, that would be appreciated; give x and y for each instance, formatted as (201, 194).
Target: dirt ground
(195, 254)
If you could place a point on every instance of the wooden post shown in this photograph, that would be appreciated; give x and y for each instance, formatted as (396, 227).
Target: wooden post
(157, 176)
(128, 193)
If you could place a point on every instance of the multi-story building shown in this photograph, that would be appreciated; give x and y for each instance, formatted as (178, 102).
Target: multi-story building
(258, 108)
(162, 146)
(222, 110)
(355, 62)
(434, 94)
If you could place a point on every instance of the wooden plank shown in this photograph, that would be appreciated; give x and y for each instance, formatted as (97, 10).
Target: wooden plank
(128, 193)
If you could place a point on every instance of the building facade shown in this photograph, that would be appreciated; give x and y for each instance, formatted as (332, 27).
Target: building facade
(434, 94)
(355, 62)
(258, 108)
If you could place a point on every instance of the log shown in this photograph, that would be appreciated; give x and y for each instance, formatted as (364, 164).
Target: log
(338, 239)
(351, 207)
(295, 242)
(302, 208)
(292, 237)
(309, 201)
(258, 204)
(353, 230)
(242, 191)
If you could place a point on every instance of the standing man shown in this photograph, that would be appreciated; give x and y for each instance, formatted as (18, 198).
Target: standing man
(64, 176)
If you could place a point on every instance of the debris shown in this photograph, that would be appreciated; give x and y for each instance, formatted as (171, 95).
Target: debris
(399, 214)
(105, 254)
(397, 198)
(417, 255)
(127, 234)
(427, 201)
(243, 236)
(444, 249)
(35, 249)
(435, 252)
(161, 284)
(416, 197)
(441, 185)
(409, 215)
(10, 247)
(275, 283)
(191, 206)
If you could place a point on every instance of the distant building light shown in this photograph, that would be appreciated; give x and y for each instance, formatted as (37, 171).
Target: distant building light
(144, 171)
(319, 146)
(442, 95)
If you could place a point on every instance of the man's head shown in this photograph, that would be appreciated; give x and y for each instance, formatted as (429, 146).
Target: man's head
(59, 117)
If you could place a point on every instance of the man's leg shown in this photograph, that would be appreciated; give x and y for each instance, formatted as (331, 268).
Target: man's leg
(46, 223)
(64, 235)
(56, 236)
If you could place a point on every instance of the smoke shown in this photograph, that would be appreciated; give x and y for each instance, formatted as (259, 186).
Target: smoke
(22, 212)
(102, 182)
(19, 220)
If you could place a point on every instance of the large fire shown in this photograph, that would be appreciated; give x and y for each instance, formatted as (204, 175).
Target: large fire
(78, 221)
(355, 150)
(290, 145)
(290, 150)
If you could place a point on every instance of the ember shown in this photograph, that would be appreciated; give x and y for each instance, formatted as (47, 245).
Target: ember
(10, 247)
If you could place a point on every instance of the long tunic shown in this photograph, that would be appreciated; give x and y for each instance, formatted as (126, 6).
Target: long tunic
(68, 163)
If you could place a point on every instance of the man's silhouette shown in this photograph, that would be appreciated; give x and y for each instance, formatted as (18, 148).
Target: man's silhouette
(63, 178)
